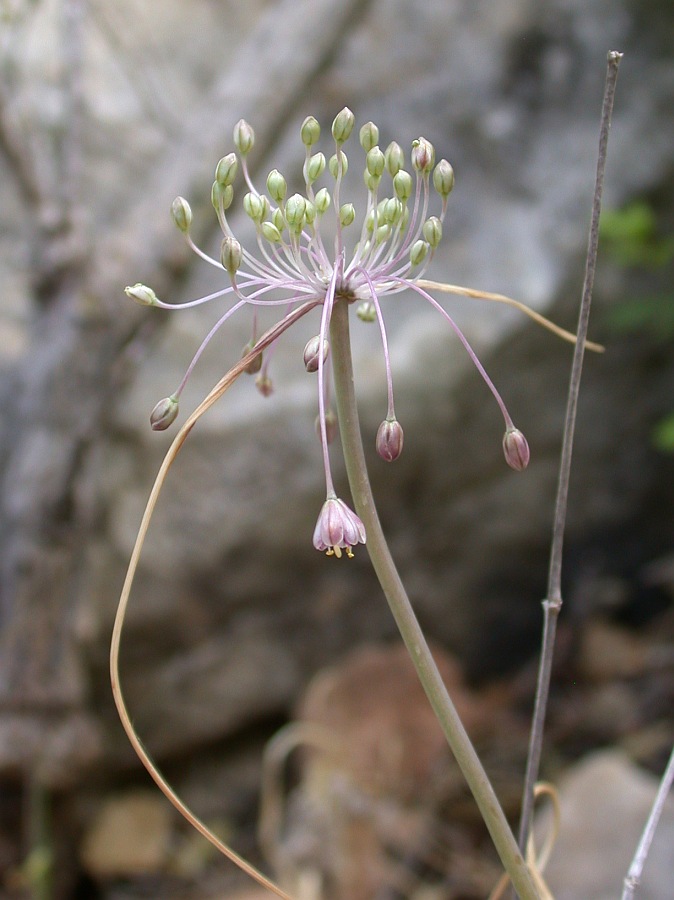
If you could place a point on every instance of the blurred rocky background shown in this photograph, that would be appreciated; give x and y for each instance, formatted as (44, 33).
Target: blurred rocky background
(109, 110)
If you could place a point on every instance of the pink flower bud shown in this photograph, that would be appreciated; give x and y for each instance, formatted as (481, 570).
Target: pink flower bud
(389, 441)
(264, 385)
(164, 414)
(516, 449)
(311, 353)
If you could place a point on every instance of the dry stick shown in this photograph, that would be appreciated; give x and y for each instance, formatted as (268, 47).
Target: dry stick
(225, 382)
(553, 602)
(634, 874)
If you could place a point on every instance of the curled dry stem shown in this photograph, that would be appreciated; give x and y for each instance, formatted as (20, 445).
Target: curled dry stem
(501, 298)
(220, 388)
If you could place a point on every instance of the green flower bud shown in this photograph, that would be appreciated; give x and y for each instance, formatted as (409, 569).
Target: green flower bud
(244, 137)
(310, 131)
(264, 384)
(402, 185)
(278, 220)
(405, 217)
(395, 158)
(225, 171)
(392, 211)
(423, 155)
(142, 294)
(333, 166)
(369, 135)
(230, 254)
(221, 196)
(276, 185)
(295, 209)
(322, 200)
(369, 221)
(383, 234)
(182, 214)
(375, 162)
(347, 214)
(255, 364)
(310, 213)
(443, 178)
(254, 206)
(315, 167)
(164, 414)
(366, 311)
(371, 181)
(418, 252)
(271, 232)
(432, 231)
(343, 125)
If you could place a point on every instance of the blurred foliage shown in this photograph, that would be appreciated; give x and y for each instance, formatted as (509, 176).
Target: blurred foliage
(631, 239)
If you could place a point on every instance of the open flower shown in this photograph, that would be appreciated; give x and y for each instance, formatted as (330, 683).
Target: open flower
(338, 528)
(296, 270)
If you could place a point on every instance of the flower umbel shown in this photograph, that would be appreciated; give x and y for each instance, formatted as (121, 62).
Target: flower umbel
(297, 270)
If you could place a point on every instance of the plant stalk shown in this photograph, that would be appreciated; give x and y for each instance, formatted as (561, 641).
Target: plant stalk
(411, 632)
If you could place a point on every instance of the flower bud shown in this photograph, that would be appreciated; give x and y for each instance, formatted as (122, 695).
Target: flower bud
(310, 213)
(389, 442)
(443, 178)
(230, 254)
(331, 425)
(225, 171)
(264, 385)
(276, 185)
(244, 137)
(322, 200)
(516, 449)
(375, 162)
(254, 207)
(369, 135)
(402, 185)
(343, 125)
(182, 214)
(423, 155)
(311, 353)
(432, 231)
(392, 211)
(418, 252)
(255, 364)
(142, 294)
(278, 220)
(395, 158)
(310, 131)
(383, 234)
(347, 214)
(315, 167)
(366, 311)
(271, 232)
(371, 181)
(295, 208)
(333, 165)
(164, 414)
(221, 196)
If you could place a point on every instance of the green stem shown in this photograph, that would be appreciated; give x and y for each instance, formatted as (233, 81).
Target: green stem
(411, 632)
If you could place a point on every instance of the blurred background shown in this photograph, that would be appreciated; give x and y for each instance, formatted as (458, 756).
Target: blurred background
(237, 625)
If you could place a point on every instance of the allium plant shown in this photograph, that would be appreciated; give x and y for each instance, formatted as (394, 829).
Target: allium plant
(298, 270)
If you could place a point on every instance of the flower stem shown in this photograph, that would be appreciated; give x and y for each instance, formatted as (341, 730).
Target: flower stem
(403, 613)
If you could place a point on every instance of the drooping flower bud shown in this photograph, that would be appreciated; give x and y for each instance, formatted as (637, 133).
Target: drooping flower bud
(264, 384)
(244, 137)
(276, 185)
(312, 353)
(389, 442)
(342, 125)
(443, 178)
(322, 200)
(432, 231)
(271, 232)
(310, 131)
(516, 449)
(369, 135)
(230, 254)
(225, 171)
(142, 294)
(366, 311)
(423, 155)
(182, 214)
(221, 196)
(164, 414)
(395, 158)
(255, 364)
